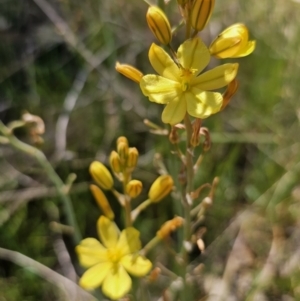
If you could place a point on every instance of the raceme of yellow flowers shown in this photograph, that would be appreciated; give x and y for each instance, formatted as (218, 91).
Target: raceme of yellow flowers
(180, 84)
(183, 87)
(110, 261)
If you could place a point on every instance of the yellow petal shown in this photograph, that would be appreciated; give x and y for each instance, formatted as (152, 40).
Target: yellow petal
(90, 252)
(108, 232)
(159, 89)
(250, 47)
(226, 47)
(193, 55)
(94, 276)
(174, 111)
(211, 99)
(129, 241)
(136, 265)
(162, 63)
(204, 104)
(216, 78)
(117, 283)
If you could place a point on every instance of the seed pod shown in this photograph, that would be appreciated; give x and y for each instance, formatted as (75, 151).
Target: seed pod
(159, 24)
(160, 188)
(232, 42)
(101, 175)
(102, 201)
(201, 12)
(129, 71)
(134, 188)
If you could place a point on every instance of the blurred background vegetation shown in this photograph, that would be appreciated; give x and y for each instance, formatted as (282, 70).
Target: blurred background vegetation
(57, 61)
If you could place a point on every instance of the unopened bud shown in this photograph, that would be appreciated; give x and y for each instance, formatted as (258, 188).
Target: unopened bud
(232, 42)
(160, 188)
(101, 175)
(102, 201)
(169, 226)
(115, 162)
(122, 139)
(159, 24)
(201, 12)
(122, 149)
(134, 188)
(129, 71)
(132, 158)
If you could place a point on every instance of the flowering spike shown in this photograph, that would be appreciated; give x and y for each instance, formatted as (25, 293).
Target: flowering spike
(102, 201)
(134, 188)
(232, 42)
(160, 188)
(201, 12)
(159, 24)
(101, 175)
(129, 71)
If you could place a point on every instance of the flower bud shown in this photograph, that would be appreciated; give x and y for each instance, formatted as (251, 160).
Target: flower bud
(132, 158)
(160, 188)
(129, 71)
(169, 226)
(115, 162)
(232, 42)
(159, 24)
(122, 148)
(122, 139)
(101, 175)
(102, 201)
(134, 188)
(201, 12)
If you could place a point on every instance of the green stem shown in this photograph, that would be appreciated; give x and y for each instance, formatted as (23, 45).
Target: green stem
(47, 167)
(139, 209)
(127, 203)
(186, 191)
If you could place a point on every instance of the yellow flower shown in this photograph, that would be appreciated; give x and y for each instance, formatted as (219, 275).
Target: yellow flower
(180, 87)
(232, 42)
(109, 263)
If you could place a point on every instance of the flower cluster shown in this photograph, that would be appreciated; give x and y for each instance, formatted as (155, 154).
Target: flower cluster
(186, 88)
(181, 85)
(119, 253)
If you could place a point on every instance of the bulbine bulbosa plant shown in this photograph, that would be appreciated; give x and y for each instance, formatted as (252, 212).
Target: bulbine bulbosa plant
(118, 266)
